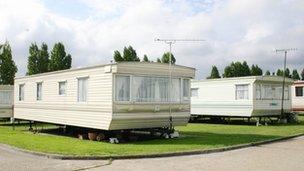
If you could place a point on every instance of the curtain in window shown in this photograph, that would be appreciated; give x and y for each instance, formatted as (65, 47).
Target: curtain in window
(258, 91)
(6, 97)
(62, 88)
(176, 90)
(122, 90)
(21, 92)
(144, 89)
(186, 87)
(194, 92)
(82, 89)
(242, 92)
(39, 91)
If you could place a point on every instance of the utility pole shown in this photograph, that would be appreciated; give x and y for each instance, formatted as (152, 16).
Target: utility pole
(284, 76)
(170, 42)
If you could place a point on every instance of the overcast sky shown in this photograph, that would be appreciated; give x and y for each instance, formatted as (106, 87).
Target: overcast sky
(92, 29)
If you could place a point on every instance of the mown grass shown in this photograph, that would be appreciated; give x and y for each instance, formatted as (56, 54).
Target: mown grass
(196, 136)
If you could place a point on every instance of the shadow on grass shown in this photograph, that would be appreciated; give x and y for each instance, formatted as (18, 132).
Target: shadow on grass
(209, 139)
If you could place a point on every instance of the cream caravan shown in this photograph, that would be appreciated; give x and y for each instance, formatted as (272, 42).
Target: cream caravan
(127, 95)
(6, 101)
(253, 96)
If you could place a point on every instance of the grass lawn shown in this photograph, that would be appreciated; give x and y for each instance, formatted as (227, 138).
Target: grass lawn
(196, 136)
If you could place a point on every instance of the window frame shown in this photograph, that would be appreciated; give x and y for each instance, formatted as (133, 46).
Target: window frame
(301, 87)
(87, 89)
(189, 90)
(21, 95)
(236, 90)
(130, 88)
(194, 89)
(38, 98)
(65, 87)
(131, 76)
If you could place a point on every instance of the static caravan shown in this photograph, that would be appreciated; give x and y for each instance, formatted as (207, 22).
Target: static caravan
(253, 96)
(6, 101)
(127, 95)
(297, 93)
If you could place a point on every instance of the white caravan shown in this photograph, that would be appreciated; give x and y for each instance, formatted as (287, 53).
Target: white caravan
(253, 96)
(127, 95)
(6, 101)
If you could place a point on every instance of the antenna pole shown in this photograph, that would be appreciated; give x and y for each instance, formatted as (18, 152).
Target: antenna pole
(284, 78)
(170, 42)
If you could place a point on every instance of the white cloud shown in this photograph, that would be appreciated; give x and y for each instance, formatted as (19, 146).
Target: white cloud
(234, 30)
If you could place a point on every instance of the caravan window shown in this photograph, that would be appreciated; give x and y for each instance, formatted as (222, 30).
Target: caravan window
(82, 89)
(186, 89)
(258, 91)
(273, 92)
(21, 92)
(39, 91)
(122, 89)
(299, 91)
(155, 89)
(194, 92)
(61, 88)
(6, 97)
(242, 92)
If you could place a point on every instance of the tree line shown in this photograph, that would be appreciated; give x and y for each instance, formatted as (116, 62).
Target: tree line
(129, 54)
(39, 61)
(241, 69)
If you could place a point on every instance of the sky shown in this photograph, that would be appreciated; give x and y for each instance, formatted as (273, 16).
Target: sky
(91, 30)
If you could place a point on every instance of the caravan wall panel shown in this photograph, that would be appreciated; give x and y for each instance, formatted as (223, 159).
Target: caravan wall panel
(95, 112)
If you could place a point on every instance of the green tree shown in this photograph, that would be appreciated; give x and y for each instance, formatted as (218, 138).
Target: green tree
(245, 70)
(117, 56)
(158, 60)
(59, 59)
(287, 73)
(295, 75)
(302, 74)
(279, 73)
(214, 73)
(267, 73)
(228, 72)
(43, 59)
(129, 54)
(32, 60)
(38, 60)
(146, 59)
(8, 68)
(256, 70)
(166, 58)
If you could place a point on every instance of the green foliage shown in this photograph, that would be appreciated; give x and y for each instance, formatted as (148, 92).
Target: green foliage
(267, 72)
(146, 59)
(214, 73)
(166, 58)
(158, 60)
(59, 59)
(117, 56)
(237, 69)
(295, 75)
(129, 54)
(8, 68)
(302, 74)
(256, 70)
(287, 73)
(38, 60)
(279, 73)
